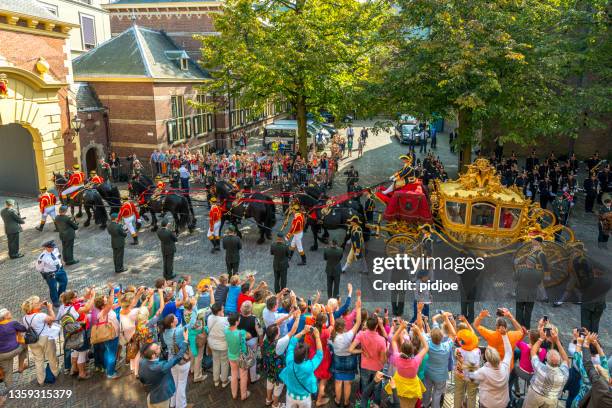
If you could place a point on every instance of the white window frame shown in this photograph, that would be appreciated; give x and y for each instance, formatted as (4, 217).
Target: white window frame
(93, 19)
(51, 7)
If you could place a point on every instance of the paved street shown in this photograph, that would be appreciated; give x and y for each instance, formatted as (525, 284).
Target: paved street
(92, 248)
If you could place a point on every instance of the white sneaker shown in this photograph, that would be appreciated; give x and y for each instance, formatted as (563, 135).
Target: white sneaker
(200, 378)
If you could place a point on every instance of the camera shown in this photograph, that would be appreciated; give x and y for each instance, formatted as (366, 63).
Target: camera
(548, 331)
(545, 318)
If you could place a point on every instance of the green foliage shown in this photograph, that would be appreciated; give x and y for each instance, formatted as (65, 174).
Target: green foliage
(311, 53)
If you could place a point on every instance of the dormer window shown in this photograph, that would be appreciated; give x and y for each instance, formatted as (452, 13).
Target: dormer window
(184, 64)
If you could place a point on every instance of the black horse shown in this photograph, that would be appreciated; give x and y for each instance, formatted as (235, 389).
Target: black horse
(323, 216)
(110, 194)
(89, 198)
(261, 209)
(142, 188)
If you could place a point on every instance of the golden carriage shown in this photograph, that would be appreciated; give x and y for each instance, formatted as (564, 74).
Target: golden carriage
(475, 214)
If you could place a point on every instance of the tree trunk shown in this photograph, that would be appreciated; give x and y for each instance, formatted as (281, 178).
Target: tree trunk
(301, 124)
(464, 139)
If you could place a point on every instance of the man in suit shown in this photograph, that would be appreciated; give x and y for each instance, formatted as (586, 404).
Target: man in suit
(333, 257)
(66, 228)
(12, 228)
(280, 250)
(168, 241)
(117, 242)
(232, 245)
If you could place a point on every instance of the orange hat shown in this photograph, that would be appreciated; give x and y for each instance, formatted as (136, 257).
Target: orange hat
(467, 339)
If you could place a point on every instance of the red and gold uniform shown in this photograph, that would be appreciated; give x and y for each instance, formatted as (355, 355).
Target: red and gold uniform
(75, 182)
(46, 203)
(296, 232)
(214, 224)
(96, 180)
(128, 213)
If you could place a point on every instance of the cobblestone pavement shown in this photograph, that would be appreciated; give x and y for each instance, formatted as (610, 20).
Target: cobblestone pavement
(92, 248)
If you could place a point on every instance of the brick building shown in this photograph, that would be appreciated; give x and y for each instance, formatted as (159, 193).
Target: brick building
(180, 20)
(35, 104)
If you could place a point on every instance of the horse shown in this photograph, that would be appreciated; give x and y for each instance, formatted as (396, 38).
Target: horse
(142, 187)
(110, 194)
(261, 209)
(90, 198)
(323, 216)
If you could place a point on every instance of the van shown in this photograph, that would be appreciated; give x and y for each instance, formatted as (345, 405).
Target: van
(284, 133)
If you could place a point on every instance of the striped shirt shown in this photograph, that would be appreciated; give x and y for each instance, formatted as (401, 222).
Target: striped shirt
(548, 381)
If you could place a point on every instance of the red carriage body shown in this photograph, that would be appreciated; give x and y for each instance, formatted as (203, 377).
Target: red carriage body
(409, 203)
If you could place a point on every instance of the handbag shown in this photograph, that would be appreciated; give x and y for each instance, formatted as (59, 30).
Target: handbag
(49, 376)
(175, 349)
(246, 360)
(132, 348)
(102, 331)
(201, 340)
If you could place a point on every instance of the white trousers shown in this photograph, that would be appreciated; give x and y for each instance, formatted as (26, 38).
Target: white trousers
(130, 224)
(180, 374)
(293, 403)
(71, 189)
(389, 189)
(296, 242)
(215, 231)
(48, 212)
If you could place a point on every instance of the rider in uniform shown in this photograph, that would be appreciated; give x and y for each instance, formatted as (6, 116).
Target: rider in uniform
(94, 179)
(296, 232)
(369, 208)
(75, 182)
(128, 213)
(214, 225)
(160, 188)
(357, 245)
(46, 203)
(402, 177)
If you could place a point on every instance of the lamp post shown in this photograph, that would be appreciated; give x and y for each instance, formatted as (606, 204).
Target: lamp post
(76, 124)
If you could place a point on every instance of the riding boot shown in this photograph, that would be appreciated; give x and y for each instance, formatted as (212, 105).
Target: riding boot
(41, 226)
(303, 256)
(213, 242)
(290, 254)
(135, 242)
(218, 244)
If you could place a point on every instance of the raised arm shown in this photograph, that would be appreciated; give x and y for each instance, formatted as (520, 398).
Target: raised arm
(357, 324)
(424, 344)
(555, 340)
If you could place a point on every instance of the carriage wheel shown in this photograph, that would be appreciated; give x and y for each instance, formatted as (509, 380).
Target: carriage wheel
(401, 244)
(556, 256)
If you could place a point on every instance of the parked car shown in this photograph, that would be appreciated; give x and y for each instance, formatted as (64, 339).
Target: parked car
(404, 118)
(405, 132)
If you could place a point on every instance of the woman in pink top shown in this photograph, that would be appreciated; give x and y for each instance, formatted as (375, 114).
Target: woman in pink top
(524, 369)
(409, 386)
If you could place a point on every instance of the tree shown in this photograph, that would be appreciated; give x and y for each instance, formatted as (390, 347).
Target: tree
(488, 62)
(311, 53)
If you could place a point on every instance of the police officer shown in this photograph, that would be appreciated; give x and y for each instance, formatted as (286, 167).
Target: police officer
(296, 232)
(333, 257)
(168, 240)
(280, 251)
(12, 227)
(232, 246)
(66, 227)
(117, 242)
(50, 266)
(46, 204)
(357, 251)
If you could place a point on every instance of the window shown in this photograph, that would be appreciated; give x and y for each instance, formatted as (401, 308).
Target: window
(177, 126)
(209, 122)
(509, 217)
(455, 212)
(184, 64)
(202, 119)
(483, 215)
(88, 31)
(52, 8)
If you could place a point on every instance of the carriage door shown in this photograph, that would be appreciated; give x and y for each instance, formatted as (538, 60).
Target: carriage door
(17, 162)
(91, 159)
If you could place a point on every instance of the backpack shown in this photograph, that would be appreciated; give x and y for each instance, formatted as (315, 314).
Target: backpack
(74, 337)
(30, 336)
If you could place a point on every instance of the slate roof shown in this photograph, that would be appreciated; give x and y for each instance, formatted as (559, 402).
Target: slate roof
(138, 52)
(31, 8)
(86, 98)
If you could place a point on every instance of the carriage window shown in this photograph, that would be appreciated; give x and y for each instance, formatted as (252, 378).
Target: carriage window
(509, 217)
(455, 212)
(483, 215)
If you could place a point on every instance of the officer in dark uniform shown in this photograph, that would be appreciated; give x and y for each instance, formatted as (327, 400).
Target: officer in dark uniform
(352, 177)
(280, 251)
(529, 276)
(118, 235)
(369, 207)
(590, 189)
(333, 258)
(66, 228)
(357, 252)
(232, 245)
(168, 240)
(604, 235)
(12, 227)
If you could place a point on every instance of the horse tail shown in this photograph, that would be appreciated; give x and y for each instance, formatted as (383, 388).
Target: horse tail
(270, 215)
(184, 214)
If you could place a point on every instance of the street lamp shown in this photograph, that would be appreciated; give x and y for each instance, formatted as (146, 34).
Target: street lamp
(76, 124)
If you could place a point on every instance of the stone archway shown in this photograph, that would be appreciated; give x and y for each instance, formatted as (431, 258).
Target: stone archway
(17, 161)
(34, 104)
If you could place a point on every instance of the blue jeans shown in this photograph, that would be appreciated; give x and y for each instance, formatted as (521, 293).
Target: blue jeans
(98, 350)
(110, 355)
(57, 286)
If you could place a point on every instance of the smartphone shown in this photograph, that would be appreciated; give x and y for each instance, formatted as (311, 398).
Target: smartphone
(387, 376)
(545, 318)
(386, 310)
(499, 312)
(312, 329)
(440, 311)
(547, 331)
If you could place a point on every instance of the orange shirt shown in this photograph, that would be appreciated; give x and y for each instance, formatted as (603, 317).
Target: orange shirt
(127, 210)
(77, 178)
(297, 225)
(494, 339)
(214, 215)
(46, 200)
